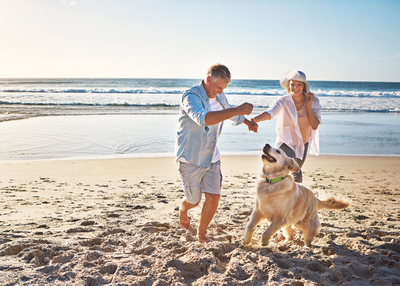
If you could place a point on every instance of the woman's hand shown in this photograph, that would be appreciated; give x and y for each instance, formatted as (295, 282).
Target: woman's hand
(310, 98)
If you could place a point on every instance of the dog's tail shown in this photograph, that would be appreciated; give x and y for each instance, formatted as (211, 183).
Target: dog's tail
(333, 203)
(330, 202)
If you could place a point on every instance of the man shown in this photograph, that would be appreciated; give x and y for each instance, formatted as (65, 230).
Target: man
(203, 109)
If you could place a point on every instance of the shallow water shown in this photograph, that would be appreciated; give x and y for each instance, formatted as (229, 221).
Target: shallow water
(102, 136)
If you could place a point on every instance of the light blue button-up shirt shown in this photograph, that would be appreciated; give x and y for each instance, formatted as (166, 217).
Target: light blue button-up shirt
(195, 140)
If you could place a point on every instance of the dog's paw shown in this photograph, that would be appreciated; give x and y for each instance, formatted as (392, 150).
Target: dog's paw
(247, 238)
(309, 246)
(265, 242)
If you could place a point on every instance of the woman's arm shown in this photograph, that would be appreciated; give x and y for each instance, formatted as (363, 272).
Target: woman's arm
(262, 117)
(272, 110)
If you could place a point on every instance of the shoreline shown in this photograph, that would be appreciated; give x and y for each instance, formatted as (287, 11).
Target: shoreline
(172, 155)
(93, 222)
(139, 156)
(253, 155)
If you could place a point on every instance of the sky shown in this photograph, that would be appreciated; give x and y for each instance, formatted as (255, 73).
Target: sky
(345, 40)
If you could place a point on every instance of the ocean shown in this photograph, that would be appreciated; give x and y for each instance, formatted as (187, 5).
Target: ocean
(43, 119)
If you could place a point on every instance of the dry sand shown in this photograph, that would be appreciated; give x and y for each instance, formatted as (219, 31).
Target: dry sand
(95, 222)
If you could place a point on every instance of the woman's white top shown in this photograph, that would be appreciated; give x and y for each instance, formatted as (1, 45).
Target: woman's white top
(287, 125)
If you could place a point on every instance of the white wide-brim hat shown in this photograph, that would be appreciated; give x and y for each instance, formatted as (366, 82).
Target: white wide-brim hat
(294, 75)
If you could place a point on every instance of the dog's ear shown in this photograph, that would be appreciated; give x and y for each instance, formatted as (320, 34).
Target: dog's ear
(293, 166)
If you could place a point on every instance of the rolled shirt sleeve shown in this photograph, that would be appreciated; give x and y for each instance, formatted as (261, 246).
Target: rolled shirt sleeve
(317, 108)
(193, 107)
(275, 107)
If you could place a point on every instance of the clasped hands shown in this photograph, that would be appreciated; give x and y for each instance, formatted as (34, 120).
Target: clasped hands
(246, 109)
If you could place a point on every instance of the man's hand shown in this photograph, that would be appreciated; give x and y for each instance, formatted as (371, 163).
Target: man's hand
(252, 125)
(244, 109)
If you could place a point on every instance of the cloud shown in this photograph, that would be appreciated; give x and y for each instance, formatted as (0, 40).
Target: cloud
(396, 56)
(68, 3)
(353, 56)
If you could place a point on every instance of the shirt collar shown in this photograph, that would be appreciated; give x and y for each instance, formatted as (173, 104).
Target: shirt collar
(203, 92)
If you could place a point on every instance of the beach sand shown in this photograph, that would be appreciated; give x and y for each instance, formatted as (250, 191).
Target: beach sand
(115, 221)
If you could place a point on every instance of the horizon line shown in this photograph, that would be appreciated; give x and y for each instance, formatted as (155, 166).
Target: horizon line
(189, 78)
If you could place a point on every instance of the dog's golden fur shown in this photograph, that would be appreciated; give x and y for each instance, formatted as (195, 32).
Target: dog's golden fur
(285, 203)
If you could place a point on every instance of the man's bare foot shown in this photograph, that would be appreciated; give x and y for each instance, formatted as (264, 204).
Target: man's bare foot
(204, 239)
(183, 218)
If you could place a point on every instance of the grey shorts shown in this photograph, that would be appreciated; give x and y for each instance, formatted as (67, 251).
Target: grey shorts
(198, 180)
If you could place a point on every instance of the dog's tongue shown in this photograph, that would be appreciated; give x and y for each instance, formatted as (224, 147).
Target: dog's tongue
(269, 157)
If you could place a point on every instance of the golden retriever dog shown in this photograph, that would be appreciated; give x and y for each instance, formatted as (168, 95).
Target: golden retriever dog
(285, 203)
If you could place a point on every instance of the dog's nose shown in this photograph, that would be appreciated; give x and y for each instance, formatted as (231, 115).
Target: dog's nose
(266, 148)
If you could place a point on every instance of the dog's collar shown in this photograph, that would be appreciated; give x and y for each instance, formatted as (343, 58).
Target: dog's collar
(271, 181)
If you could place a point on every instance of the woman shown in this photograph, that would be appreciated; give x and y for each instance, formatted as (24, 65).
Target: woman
(299, 115)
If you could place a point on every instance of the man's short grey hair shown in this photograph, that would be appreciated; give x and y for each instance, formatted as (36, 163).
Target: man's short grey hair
(219, 71)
